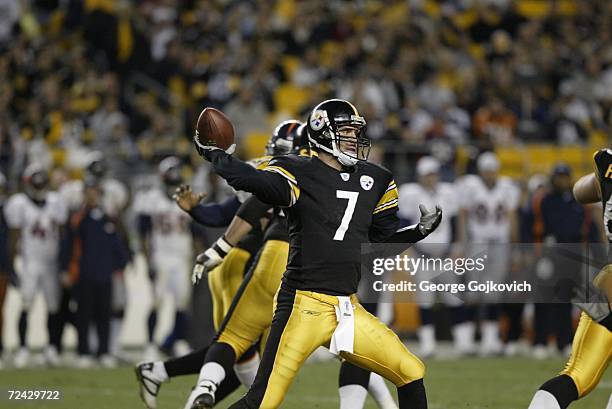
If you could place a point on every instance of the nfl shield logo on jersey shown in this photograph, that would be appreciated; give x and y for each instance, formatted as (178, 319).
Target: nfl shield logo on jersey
(366, 182)
(345, 176)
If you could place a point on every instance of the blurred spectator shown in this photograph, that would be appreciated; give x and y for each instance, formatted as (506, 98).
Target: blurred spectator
(94, 252)
(558, 218)
(5, 268)
(495, 124)
(9, 14)
(248, 113)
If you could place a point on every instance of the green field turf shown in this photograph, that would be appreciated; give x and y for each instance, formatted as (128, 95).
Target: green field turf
(474, 384)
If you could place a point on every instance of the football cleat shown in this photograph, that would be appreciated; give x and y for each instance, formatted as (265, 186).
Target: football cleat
(85, 362)
(108, 361)
(52, 357)
(148, 384)
(202, 395)
(22, 358)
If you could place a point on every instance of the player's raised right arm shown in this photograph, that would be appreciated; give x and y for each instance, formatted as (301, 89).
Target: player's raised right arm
(269, 187)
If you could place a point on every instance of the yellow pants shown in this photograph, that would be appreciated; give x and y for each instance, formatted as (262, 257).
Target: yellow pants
(591, 352)
(251, 311)
(224, 281)
(305, 320)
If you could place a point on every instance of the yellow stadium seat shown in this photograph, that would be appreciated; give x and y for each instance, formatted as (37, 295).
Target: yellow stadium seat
(537, 9)
(511, 160)
(533, 8)
(291, 98)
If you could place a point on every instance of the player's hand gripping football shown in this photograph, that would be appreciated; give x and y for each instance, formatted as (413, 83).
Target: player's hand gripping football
(430, 219)
(186, 198)
(202, 148)
(211, 258)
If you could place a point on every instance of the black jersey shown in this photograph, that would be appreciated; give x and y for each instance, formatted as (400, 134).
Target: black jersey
(252, 241)
(330, 214)
(277, 230)
(253, 211)
(603, 171)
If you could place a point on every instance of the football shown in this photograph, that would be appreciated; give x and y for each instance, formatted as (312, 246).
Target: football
(215, 129)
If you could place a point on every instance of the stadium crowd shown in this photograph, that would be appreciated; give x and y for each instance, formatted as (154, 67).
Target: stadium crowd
(128, 79)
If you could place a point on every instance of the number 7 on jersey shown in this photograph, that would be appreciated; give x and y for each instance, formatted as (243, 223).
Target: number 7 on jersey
(348, 212)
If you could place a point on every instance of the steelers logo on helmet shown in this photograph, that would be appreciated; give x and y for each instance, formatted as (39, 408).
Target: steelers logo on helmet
(284, 138)
(335, 127)
(318, 119)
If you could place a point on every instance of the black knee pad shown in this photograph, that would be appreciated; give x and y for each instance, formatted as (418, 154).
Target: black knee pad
(353, 375)
(563, 388)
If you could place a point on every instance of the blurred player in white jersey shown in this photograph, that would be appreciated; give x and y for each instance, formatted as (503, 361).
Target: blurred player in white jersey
(489, 218)
(167, 238)
(430, 192)
(35, 218)
(115, 196)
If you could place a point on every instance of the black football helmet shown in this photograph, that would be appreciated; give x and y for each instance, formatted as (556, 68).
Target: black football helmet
(170, 170)
(96, 165)
(283, 138)
(324, 124)
(300, 143)
(36, 181)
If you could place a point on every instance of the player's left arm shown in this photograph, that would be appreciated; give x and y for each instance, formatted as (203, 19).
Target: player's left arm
(385, 221)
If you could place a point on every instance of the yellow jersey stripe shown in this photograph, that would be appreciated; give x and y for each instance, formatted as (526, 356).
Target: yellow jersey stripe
(294, 189)
(277, 169)
(391, 186)
(260, 162)
(295, 194)
(390, 205)
(387, 197)
(386, 204)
